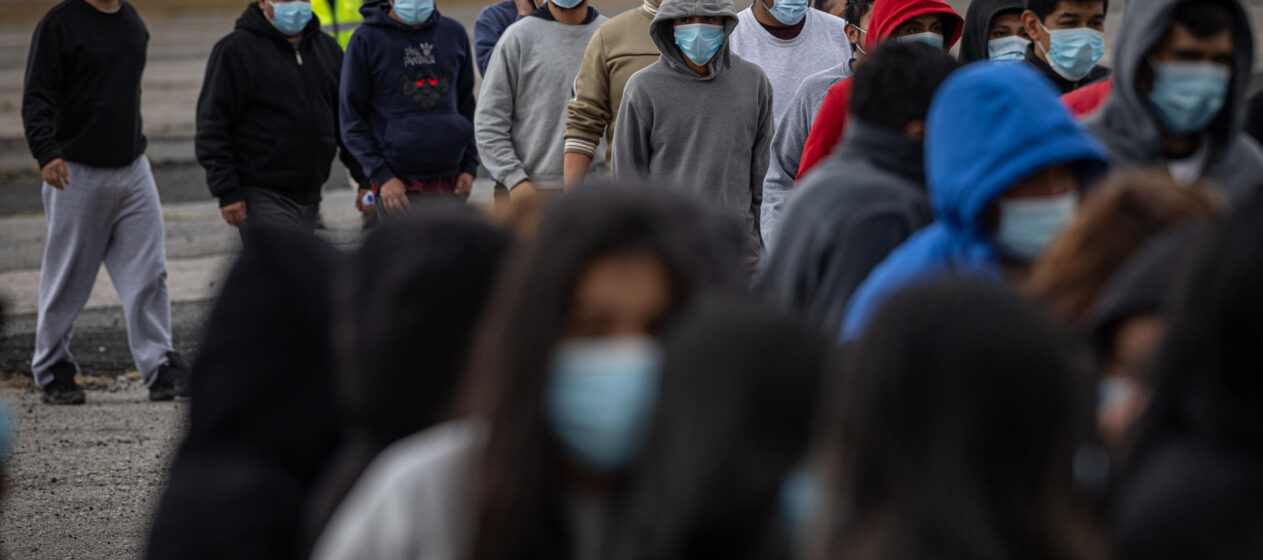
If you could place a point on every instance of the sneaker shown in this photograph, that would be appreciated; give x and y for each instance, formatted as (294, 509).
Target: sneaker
(172, 380)
(63, 389)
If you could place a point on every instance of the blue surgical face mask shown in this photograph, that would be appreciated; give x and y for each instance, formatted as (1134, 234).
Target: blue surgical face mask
(799, 503)
(699, 41)
(1029, 225)
(929, 37)
(788, 12)
(566, 4)
(600, 397)
(1187, 96)
(1012, 47)
(1073, 52)
(414, 12)
(290, 18)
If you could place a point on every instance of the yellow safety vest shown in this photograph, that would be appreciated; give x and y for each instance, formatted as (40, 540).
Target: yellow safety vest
(338, 18)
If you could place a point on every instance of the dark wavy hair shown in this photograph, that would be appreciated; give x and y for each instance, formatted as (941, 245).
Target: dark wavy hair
(520, 484)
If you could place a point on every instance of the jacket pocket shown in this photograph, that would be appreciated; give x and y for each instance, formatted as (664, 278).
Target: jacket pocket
(424, 144)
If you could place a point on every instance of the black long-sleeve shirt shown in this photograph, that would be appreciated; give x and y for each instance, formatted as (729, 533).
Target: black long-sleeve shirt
(82, 96)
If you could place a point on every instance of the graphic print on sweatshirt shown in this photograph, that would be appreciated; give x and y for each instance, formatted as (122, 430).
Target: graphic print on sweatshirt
(426, 89)
(421, 54)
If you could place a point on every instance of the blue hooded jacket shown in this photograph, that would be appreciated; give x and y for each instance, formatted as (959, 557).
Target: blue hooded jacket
(990, 126)
(407, 98)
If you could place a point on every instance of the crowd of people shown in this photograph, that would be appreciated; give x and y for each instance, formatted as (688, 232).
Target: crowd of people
(785, 282)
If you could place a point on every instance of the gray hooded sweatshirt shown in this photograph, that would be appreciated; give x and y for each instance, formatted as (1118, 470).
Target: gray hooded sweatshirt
(710, 136)
(1129, 129)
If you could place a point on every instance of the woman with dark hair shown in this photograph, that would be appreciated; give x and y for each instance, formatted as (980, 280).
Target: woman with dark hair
(720, 476)
(1113, 222)
(409, 305)
(958, 420)
(1193, 487)
(563, 387)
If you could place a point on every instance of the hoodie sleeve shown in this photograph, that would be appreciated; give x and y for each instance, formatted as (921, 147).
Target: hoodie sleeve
(762, 154)
(826, 130)
(348, 159)
(632, 147)
(787, 150)
(467, 106)
(588, 114)
(487, 30)
(355, 100)
(42, 95)
(219, 107)
(493, 120)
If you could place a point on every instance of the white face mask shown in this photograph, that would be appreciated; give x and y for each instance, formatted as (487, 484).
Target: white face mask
(1012, 47)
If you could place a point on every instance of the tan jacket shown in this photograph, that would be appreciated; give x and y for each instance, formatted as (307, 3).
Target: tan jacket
(618, 49)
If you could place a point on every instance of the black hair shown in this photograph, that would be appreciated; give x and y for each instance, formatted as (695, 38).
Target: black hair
(736, 411)
(895, 86)
(821, 4)
(1207, 375)
(1203, 17)
(407, 310)
(957, 421)
(519, 501)
(855, 10)
(1044, 8)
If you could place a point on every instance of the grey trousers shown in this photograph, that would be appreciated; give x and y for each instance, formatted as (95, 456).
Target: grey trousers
(265, 206)
(109, 216)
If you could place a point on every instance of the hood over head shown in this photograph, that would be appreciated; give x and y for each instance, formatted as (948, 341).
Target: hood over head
(888, 15)
(990, 125)
(973, 43)
(662, 29)
(377, 13)
(254, 20)
(1127, 122)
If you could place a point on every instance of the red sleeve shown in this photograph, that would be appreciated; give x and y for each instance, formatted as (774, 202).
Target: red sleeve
(827, 129)
(1087, 99)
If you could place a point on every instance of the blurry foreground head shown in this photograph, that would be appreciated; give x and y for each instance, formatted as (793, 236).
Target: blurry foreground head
(739, 391)
(959, 416)
(1194, 484)
(1114, 221)
(566, 373)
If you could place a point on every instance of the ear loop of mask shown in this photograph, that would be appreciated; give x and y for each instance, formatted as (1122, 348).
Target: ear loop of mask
(863, 34)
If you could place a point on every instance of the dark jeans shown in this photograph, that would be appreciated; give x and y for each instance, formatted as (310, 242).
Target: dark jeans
(268, 207)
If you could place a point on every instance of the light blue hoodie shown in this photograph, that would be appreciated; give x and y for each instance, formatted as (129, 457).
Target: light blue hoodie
(990, 126)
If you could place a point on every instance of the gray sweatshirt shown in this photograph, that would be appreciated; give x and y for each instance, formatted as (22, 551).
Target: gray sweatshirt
(710, 136)
(1130, 132)
(787, 146)
(522, 105)
(820, 45)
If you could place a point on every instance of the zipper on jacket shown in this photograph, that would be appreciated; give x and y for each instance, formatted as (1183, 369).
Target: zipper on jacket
(298, 55)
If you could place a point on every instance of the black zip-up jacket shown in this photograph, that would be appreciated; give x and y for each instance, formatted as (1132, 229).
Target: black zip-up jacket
(267, 116)
(81, 101)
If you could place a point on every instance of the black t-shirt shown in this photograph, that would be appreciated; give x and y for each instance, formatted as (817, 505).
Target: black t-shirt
(82, 95)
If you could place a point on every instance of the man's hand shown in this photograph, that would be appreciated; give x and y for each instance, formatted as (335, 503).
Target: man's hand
(394, 196)
(56, 174)
(359, 202)
(235, 213)
(523, 192)
(464, 185)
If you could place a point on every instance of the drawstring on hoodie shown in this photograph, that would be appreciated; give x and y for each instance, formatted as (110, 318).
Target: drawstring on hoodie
(298, 55)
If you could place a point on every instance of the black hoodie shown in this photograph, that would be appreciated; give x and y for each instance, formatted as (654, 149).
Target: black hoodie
(974, 40)
(267, 116)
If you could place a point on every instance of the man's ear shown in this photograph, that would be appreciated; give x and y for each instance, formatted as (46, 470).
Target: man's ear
(1031, 23)
(915, 130)
(852, 33)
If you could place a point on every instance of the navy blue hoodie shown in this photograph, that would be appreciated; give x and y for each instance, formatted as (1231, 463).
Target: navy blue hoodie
(407, 98)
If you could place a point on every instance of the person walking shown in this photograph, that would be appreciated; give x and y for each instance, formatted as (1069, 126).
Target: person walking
(267, 153)
(81, 112)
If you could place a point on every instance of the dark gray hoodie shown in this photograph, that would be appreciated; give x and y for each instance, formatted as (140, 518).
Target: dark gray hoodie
(710, 136)
(1130, 131)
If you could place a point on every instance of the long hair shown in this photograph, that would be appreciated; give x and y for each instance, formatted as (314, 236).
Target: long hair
(738, 393)
(1115, 220)
(959, 415)
(519, 485)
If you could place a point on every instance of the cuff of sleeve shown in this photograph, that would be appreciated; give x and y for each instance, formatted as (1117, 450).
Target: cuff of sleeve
(581, 146)
(232, 197)
(380, 176)
(47, 157)
(512, 180)
(470, 169)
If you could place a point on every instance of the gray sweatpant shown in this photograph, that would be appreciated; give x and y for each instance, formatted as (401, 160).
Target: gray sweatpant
(111, 216)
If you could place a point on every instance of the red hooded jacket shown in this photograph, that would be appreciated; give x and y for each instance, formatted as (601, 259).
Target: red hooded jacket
(888, 15)
(1086, 100)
